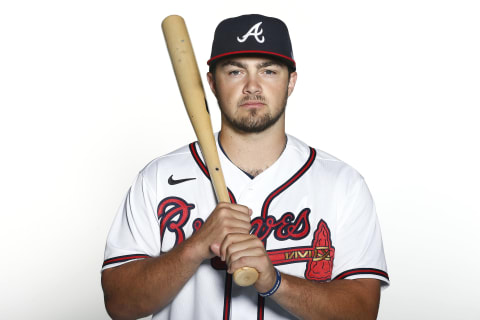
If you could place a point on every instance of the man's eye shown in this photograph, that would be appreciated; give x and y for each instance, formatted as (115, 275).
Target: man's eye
(234, 72)
(270, 72)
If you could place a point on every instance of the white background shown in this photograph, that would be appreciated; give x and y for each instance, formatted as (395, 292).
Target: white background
(88, 97)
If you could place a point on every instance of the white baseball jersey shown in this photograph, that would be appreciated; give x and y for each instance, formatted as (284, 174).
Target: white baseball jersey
(313, 212)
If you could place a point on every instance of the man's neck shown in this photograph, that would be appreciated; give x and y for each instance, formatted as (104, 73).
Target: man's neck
(253, 152)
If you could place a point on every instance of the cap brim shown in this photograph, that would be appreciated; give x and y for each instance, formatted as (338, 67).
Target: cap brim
(289, 61)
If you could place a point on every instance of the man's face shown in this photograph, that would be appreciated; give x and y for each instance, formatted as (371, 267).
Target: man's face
(252, 92)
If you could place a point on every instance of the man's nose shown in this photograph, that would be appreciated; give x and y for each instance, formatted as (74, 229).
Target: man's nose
(252, 85)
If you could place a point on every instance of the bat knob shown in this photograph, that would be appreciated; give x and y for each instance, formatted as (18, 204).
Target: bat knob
(245, 276)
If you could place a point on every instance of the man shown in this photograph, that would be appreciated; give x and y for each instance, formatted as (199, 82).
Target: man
(302, 218)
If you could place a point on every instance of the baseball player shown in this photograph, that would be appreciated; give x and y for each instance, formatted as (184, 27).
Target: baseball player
(302, 218)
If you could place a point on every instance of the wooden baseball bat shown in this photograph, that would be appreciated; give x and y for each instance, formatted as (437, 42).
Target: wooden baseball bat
(188, 77)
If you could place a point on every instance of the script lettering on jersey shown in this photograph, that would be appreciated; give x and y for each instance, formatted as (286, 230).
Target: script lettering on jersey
(287, 227)
(173, 213)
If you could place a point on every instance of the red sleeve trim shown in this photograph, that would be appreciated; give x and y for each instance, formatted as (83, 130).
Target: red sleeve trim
(124, 259)
(353, 272)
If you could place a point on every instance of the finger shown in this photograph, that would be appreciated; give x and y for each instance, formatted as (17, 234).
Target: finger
(233, 228)
(254, 257)
(236, 207)
(241, 216)
(235, 243)
(249, 252)
(228, 215)
(231, 239)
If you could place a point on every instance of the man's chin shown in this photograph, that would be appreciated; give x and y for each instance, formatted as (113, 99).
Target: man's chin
(253, 125)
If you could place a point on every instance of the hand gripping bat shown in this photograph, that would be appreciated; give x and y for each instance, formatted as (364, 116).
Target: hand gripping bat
(188, 77)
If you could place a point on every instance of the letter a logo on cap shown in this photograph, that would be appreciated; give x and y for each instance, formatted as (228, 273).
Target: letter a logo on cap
(254, 31)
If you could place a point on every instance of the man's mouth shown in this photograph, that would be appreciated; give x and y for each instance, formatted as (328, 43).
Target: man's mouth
(252, 101)
(252, 104)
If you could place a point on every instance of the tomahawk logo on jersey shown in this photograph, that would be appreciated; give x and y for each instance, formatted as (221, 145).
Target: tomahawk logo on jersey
(313, 212)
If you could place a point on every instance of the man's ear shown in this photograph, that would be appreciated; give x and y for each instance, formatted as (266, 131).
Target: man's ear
(211, 83)
(291, 82)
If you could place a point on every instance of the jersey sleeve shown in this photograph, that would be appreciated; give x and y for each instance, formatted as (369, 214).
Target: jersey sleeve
(359, 248)
(134, 233)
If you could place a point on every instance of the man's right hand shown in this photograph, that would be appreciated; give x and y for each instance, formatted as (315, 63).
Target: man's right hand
(139, 288)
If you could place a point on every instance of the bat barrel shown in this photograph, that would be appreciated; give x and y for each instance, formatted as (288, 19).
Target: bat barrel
(190, 84)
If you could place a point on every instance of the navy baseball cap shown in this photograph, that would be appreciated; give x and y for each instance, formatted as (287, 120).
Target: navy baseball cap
(252, 34)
